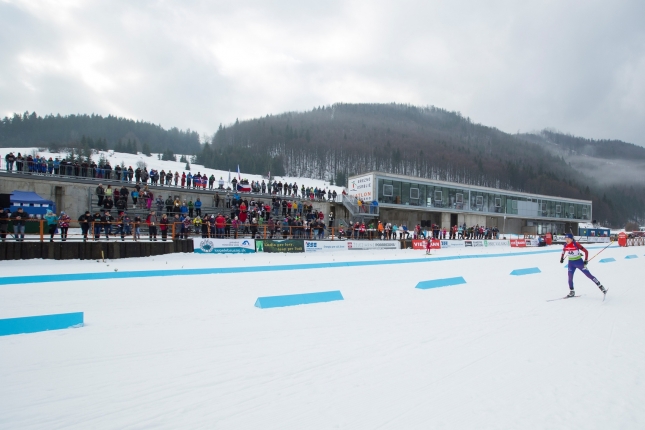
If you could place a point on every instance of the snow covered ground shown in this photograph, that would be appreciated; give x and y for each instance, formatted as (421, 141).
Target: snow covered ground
(194, 352)
(153, 162)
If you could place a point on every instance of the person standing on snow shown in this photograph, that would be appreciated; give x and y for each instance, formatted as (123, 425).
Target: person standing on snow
(573, 250)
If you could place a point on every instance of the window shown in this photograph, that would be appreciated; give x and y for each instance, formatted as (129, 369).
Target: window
(584, 211)
(514, 205)
(388, 190)
(498, 202)
(414, 193)
(480, 201)
(543, 206)
(558, 209)
(459, 198)
(572, 211)
(437, 196)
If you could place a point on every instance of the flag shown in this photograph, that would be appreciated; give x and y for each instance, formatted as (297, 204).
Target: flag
(239, 177)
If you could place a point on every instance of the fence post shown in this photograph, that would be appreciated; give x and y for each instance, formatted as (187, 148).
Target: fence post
(42, 229)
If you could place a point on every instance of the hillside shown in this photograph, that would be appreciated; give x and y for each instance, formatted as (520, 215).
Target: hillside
(336, 141)
(94, 131)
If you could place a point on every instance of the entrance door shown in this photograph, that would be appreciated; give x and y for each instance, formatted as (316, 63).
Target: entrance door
(453, 220)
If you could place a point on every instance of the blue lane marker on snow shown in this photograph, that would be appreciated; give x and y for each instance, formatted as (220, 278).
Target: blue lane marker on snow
(9, 280)
(40, 323)
(529, 271)
(436, 283)
(629, 257)
(607, 260)
(297, 299)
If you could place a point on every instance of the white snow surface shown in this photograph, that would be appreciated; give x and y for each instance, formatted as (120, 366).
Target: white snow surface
(153, 162)
(193, 351)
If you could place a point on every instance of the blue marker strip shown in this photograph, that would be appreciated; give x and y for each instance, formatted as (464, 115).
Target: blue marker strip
(528, 271)
(436, 283)
(607, 260)
(297, 299)
(245, 269)
(629, 257)
(40, 323)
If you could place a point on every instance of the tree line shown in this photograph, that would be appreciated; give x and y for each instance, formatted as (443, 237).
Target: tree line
(57, 132)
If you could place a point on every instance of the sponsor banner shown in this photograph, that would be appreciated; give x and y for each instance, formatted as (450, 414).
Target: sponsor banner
(452, 244)
(518, 243)
(361, 188)
(474, 243)
(224, 246)
(532, 242)
(422, 244)
(584, 239)
(287, 245)
(325, 246)
(496, 242)
(377, 244)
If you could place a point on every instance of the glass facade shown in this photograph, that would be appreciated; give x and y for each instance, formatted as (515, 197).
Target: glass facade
(455, 197)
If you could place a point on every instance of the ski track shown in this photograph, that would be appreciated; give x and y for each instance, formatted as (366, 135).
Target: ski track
(193, 351)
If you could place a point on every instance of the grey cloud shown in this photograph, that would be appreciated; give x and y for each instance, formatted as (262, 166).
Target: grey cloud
(577, 67)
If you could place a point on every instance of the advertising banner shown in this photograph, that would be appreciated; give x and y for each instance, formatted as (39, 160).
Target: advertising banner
(377, 244)
(224, 246)
(421, 244)
(325, 246)
(287, 245)
(518, 243)
(361, 188)
(474, 243)
(452, 244)
(532, 242)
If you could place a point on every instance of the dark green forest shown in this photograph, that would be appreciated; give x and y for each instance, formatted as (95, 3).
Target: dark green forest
(56, 131)
(334, 142)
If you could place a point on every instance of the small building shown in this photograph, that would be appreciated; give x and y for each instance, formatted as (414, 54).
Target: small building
(412, 200)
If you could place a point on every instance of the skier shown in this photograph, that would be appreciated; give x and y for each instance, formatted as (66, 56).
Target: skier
(574, 251)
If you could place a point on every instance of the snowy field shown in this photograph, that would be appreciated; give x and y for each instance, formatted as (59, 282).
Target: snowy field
(193, 351)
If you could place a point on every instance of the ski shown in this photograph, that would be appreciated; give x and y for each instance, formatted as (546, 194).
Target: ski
(565, 297)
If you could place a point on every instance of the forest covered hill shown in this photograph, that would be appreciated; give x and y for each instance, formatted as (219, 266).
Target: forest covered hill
(334, 142)
(51, 131)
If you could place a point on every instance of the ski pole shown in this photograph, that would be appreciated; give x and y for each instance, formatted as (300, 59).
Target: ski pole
(610, 243)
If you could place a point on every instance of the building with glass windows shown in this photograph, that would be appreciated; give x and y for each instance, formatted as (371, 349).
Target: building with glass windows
(416, 200)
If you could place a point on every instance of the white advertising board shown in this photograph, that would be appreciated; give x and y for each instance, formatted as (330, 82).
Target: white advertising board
(373, 244)
(325, 245)
(474, 243)
(224, 246)
(361, 187)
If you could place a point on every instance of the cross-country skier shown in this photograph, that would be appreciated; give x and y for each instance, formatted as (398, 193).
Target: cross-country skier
(573, 251)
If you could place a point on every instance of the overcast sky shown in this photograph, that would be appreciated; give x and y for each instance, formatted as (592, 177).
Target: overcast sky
(576, 66)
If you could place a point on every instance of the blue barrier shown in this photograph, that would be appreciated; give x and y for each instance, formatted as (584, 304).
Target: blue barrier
(528, 271)
(66, 277)
(608, 260)
(436, 283)
(40, 323)
(297, 299)
(629, 257)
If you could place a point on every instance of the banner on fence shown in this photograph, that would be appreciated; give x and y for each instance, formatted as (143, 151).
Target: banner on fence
(518, 243)
(422, 244)
(287, 245)
(376, 244)
(224, 246)
(325, 246)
